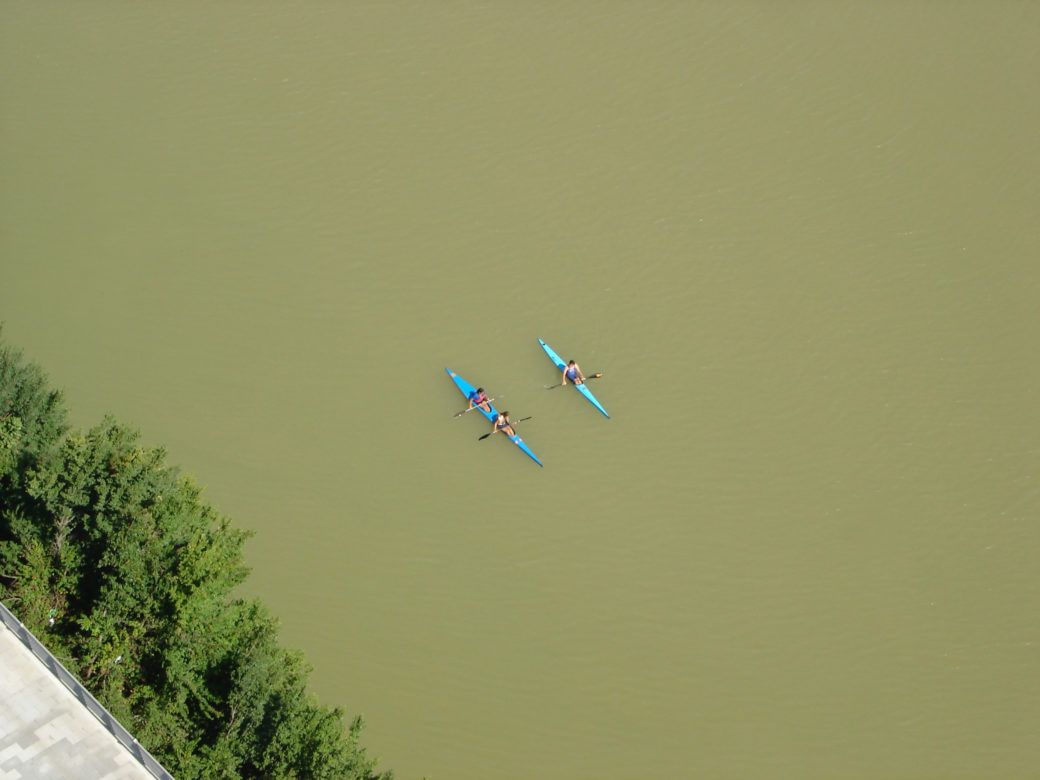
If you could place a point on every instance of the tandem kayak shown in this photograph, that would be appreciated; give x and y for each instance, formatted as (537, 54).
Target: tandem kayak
(467, 390)
(583, 388)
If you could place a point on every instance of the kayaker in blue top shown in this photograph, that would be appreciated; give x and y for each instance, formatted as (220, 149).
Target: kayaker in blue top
(572, 371)
(504, 424)
(480, 398)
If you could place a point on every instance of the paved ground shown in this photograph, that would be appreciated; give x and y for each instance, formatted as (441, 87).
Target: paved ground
(44, 730)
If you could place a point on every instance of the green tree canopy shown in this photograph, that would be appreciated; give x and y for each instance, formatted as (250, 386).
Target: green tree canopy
(138, 574)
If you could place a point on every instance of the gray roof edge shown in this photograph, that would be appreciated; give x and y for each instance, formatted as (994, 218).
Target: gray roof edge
(58, 670)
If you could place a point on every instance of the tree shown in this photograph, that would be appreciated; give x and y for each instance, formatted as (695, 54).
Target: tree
(32, 415)
(137, 573)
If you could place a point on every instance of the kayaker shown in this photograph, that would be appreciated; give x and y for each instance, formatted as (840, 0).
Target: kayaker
(572, 371)
(480, 398)
(504, 424)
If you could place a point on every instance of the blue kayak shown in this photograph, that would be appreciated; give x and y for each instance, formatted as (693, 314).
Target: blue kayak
(583, 388)
(468, 390)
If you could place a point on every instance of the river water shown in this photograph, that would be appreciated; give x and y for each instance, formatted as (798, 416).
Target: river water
(800, 242)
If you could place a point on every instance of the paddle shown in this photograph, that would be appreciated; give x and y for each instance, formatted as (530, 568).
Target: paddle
(459, 414)
(481, 438)
(590, 376)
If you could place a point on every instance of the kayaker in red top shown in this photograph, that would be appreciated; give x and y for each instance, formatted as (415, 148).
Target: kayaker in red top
(504, 424)
(572, 371)
(480, 398)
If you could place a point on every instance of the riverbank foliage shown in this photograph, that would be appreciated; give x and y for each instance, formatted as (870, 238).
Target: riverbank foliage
(115, 562)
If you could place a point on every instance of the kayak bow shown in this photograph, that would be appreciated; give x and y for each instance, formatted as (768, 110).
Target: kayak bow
(583, 388)
(467, 389)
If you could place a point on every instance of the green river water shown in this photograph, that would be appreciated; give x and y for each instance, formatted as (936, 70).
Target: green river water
(798, 239)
